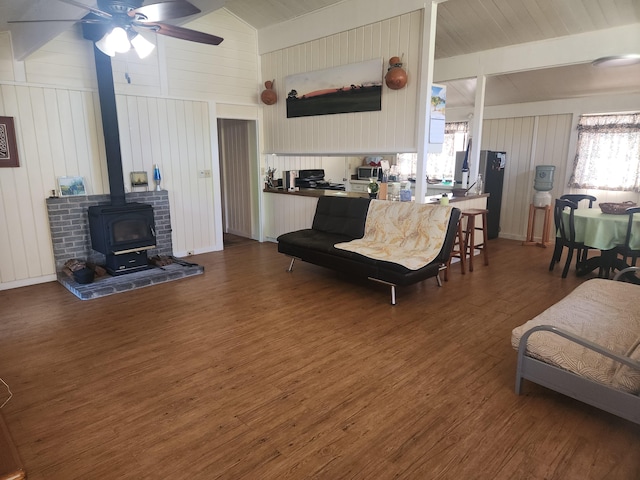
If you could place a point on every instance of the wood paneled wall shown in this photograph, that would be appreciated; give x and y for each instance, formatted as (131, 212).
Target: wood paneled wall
(529, 142)
(175, 134)
(6, 58)
(227, 73)
(391, 130)
(165, 118)
(57, 132)
(60, 134)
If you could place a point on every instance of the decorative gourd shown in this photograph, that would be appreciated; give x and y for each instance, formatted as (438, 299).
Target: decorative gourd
(396, 77)
(269, 96)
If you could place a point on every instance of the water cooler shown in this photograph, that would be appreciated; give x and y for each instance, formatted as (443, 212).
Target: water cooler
(542, 184)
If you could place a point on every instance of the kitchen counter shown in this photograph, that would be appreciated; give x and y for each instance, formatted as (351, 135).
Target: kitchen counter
(288, 211)
(436, 199)
(313, 192)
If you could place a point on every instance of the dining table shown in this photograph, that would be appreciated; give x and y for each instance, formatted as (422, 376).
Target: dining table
(604, 232)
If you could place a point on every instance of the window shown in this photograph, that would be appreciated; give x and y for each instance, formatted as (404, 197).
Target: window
(442, 165)
(439, 165)
(608, 154)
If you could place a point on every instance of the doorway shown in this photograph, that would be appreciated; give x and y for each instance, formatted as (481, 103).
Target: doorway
(237, 146)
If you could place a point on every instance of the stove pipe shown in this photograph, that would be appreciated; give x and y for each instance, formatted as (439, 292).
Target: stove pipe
(107, 97)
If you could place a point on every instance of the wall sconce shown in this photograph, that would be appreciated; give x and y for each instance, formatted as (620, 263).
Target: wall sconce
(269, 96)
(396, 77)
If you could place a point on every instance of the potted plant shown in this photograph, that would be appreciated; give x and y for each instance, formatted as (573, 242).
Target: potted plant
(373, 188)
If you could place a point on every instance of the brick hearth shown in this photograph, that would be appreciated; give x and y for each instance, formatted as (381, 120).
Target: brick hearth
(69, 224)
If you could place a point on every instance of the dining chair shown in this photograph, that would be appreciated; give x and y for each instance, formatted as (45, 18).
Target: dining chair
(578, 197)
(566, 236)
(625, 250)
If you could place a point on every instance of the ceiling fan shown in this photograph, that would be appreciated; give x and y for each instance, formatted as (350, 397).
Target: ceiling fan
(123, 19)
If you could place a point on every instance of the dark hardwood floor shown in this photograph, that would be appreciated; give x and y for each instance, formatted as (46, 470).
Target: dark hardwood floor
(249, 372)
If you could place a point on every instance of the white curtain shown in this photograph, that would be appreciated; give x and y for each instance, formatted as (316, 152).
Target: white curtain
(608, 154)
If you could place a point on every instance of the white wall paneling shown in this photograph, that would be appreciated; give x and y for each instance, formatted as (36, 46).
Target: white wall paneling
(285, 213)
(6, 57)
(227, 73)
(56, 132)
(60, 132)
(390, 130)
(529, 142)
(175, 134)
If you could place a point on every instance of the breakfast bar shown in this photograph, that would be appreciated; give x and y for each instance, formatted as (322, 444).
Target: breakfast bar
(286, 211)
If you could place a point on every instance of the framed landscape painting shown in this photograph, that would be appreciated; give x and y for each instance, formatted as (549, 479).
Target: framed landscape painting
(69, 186)
(349, 88)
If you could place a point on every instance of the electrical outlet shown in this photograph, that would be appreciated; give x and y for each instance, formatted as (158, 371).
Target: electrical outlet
(204, 173)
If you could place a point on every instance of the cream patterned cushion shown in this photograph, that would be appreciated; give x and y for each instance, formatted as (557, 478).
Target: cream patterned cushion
(602, 311)
(405, 233)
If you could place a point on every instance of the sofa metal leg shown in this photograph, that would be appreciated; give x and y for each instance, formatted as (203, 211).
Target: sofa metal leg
(438, 279)
(290, 269)
(393, 288)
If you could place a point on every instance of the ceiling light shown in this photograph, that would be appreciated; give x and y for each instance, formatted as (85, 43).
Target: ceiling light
(119, 40)
(617, 60)
(105, 47)
(142, 46)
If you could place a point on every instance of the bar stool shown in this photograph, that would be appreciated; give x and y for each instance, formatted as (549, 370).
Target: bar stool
(459, 252)
(470, 236)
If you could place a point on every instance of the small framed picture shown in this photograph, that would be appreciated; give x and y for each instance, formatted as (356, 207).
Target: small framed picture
(139, 179)
(69, 186)
(8, 145)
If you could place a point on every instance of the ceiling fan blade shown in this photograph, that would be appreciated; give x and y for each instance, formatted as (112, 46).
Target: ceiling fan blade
(82, 20)
(95, 11)
(181, 32)
(157, 12)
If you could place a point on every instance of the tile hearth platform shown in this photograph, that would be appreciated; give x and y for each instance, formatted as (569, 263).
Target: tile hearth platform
(108, 285)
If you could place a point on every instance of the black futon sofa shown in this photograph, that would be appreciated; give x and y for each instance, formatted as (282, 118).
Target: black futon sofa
(342, 219)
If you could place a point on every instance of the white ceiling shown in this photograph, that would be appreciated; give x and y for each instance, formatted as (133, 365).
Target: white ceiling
(463, 27)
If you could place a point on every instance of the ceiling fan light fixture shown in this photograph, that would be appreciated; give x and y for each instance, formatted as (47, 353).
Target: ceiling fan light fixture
(142, 46)
(617, 60)
(118, 40)
(105, 46)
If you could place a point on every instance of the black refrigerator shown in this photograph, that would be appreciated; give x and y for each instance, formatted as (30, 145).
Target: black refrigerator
(491, 166)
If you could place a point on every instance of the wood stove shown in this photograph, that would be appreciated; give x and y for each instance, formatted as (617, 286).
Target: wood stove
(123, 233)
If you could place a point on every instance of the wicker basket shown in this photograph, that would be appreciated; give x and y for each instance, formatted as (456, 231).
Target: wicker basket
(616, 208)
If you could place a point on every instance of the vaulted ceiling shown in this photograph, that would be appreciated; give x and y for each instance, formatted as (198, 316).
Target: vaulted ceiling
(463, 27)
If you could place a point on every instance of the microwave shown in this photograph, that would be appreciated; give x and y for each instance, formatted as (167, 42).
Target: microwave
(365, 173)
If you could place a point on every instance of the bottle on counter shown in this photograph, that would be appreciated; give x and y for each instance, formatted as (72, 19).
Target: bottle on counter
(444, 199)
(479, 185)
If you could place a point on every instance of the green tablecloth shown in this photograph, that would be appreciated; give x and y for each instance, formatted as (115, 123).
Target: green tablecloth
(603, 231)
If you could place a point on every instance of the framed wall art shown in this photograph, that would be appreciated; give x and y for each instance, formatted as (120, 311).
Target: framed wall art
(70, 186)
(139, 179)
(8, 144)
(356, 87)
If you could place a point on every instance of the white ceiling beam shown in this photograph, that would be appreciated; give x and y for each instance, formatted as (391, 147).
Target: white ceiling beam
(569, 50)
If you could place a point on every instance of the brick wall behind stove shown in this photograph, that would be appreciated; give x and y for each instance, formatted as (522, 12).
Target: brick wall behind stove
(69, 225)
